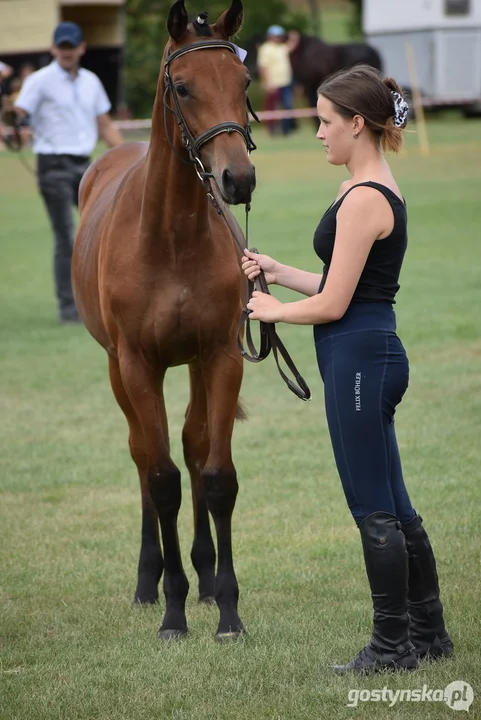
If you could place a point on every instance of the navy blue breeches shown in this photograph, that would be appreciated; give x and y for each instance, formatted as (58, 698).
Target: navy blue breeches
(365, 372)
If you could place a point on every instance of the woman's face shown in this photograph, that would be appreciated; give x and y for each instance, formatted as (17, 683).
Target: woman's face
(335, 132)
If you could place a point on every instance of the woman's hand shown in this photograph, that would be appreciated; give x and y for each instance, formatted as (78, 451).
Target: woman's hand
(264, 307)
(253, 263)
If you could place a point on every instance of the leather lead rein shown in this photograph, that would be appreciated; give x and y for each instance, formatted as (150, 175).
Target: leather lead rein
(270, 340)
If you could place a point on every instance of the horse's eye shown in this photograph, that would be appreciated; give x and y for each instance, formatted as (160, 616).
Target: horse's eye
(248, 82)
(181, 90)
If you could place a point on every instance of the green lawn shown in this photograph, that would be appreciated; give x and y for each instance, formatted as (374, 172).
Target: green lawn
(72, 647)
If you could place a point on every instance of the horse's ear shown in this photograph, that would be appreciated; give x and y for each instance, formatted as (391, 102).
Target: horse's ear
(177, 21)
(230, 22)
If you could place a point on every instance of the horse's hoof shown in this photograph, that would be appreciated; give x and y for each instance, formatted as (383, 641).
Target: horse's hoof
(230, 636)
(207, 599)
(171, 634)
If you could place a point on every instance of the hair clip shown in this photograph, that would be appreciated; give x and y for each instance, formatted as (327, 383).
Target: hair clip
(401, 109)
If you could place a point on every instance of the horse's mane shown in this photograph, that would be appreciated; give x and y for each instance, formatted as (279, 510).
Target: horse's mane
(309, 40)
(309, 44)
(201, 26)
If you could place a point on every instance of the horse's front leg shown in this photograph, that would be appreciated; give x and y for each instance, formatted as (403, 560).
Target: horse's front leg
(195, 438)
(143, 386)
(223, 377)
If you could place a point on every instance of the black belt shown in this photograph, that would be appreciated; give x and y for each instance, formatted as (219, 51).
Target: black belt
(74, 158)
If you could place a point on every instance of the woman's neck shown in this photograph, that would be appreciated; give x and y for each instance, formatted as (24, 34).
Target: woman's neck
(367, 162)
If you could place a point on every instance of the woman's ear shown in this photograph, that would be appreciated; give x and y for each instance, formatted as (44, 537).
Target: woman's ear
(177, 21)
(358, 123)
(230, 22)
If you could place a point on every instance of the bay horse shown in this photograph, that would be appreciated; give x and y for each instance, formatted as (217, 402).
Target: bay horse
(157, 282)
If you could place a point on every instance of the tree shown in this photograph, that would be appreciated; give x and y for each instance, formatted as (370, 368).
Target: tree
(355, 25)
(315, 11)
(145, 27)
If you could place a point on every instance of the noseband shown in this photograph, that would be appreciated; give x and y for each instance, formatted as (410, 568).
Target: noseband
(191, 143)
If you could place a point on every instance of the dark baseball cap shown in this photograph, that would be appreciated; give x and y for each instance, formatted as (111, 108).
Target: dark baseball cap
(68, 32)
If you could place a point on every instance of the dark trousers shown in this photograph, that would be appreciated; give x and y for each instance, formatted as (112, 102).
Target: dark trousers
(284, 97)
(58, 181)
(365, 372)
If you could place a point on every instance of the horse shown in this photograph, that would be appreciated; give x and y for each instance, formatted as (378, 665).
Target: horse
(313, 60)
(157, 283)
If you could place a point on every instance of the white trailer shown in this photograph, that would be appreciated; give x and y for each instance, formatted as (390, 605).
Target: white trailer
(445, 36)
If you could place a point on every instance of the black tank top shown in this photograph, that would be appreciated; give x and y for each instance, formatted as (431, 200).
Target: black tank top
(379, 278)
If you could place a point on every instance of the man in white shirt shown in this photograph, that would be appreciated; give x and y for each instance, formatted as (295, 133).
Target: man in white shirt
(68, 110)
(275, 71)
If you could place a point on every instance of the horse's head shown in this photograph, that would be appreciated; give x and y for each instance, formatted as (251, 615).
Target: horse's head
(208, 87)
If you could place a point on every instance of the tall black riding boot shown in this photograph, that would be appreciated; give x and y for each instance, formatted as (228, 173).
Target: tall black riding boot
(386, 562)
(428, 632)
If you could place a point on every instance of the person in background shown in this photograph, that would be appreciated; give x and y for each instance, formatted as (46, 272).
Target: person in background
(361, 240)
(26, 69)
(275, 72)
(15, 86)
(5, 72)
(68, 109)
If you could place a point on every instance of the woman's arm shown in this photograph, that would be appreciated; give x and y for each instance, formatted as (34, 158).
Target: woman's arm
(362, 218)
(302, 281)
(277, 274)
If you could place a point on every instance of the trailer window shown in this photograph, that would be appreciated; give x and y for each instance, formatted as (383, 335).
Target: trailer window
(457, 7)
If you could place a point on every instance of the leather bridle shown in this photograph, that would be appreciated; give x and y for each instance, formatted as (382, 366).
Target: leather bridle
(193, 144)
(269, 337)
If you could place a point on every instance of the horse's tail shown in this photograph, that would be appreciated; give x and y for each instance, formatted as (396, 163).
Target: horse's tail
(241, 412)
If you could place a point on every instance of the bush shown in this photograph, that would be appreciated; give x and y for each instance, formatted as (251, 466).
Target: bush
(355, 24)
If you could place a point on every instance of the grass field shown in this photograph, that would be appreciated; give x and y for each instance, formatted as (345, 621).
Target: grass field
(72, 647)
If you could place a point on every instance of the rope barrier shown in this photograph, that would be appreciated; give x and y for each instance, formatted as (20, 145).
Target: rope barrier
(302, 112)
(283, 114)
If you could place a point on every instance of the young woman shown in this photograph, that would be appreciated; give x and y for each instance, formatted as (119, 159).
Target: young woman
(361, 240)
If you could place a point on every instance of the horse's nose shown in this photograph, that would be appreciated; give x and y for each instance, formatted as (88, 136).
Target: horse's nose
(238, 185)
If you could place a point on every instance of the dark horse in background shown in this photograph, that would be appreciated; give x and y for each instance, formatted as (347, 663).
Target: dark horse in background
(313, 60)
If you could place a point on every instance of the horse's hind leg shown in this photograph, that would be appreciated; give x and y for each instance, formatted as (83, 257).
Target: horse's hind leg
(195, 438)
(162, 478)
(151, 563)
(223, 376)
